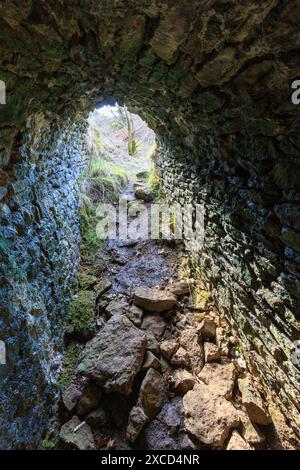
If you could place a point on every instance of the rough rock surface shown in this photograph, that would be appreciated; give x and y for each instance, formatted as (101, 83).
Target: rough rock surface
(236, 442)
(136, 423)
(183, 381)
(211, 352)
(253, 403)
(220, 377)
(152, 393)
(208, 416)
(153, 300)
(192, 343)
(81, 439)
(113, 358)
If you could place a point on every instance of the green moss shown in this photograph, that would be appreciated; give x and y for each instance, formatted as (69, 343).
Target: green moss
(154, 182)
(47, 444)
(70, 362)
(81, 311)
(86, 281)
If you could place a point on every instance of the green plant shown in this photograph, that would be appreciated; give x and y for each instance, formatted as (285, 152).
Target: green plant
(82, 311)
(70, 362)
(154, 182)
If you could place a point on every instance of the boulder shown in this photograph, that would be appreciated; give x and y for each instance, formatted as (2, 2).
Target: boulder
(183, 381)
(90, 398)
(220, 377)
(191, 342)
(211, 352)
(136, 423)
(152, 393)
(253, 402)
(153, 300)
(168, 348)
(236, 442)
(180, 358)
(114, 356)
(208, 416)
(82, 439)
(207, 328)
(151, 361)
(154, 323)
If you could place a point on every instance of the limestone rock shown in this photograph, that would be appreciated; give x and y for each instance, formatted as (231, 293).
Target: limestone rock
(191, 342)
(168, 348)
(211, 352)
(70, 397)
(116, 307)
(152, 343)
(135, 315)
(152, 393)
(207, 328)
(103, 286)
(180, 358)
(236, 442)
(208, 416)
(97, 418)
(151, 361)
(253, 403)
(183, 381)
(249, 431)
(114, 357)
(136, 423)
(179, 287)
(90, 398)
(153, 300)
(220, 377)
(81, 439)
(154, 323)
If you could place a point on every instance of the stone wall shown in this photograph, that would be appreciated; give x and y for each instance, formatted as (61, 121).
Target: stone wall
(39, 211)
(213, 79)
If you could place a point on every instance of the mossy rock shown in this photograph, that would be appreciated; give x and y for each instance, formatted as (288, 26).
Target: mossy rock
(86, 281)
(200, 298)
(70, 362)
(82, 314)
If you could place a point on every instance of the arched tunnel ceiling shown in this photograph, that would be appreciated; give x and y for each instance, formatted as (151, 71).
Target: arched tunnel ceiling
(217, 55)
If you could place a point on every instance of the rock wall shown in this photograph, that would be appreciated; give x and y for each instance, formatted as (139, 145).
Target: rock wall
(39, 238)
(213, 79)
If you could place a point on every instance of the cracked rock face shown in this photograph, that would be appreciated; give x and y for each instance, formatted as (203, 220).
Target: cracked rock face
(114, 356)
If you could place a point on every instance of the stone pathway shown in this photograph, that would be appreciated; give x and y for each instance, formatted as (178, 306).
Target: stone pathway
(161, 370)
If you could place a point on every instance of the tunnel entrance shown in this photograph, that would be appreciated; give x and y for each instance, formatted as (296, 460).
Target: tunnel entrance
(214, 82)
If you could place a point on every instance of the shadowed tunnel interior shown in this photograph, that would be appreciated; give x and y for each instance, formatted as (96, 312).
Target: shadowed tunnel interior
(213, 80)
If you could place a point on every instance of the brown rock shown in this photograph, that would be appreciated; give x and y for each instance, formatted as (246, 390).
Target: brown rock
(90, 398)
(117, 307)
(154, 323)
(191, 342)
(82, 439)
(152, 343)
(180, 358)
(183, 381)
(236, 442)
(249, 431)
(70, 397)
(208, 416)
(211, 352)
(136, 423)
(168, 348)
(179, 287)
(151, 361)
(134, 314)
(153, 300)
(220, 377)
(207, 328)
(152, 393)
(253, 403)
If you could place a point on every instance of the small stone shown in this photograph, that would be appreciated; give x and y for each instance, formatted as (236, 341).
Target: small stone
(207, 328)
(152, 343)
(136, 423)
(236, 442)
(168, 348)
(220, 377)
(135, 314)
(180, 358)
(151, 361)
(152, 393)
(82, 439)
(90, 398)
(153, 300)
(183, 381)
(117, 307)
(190, 340)
(253, 403)
(103, 286)
(97, 418)
(70, 397)
(211, 352)
(154, 323)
